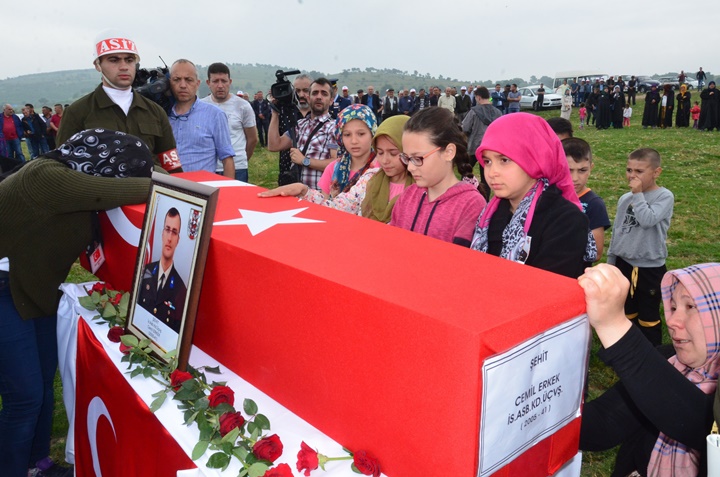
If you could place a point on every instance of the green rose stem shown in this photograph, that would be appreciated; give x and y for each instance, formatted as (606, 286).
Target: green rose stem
(323, 459)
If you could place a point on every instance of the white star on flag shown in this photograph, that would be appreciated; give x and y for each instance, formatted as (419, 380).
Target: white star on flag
(261, 221)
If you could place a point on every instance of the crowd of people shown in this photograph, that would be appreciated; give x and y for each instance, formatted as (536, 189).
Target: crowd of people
(39, 131)
(406, 161)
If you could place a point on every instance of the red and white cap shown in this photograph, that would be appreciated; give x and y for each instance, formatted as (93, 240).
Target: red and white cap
(112, 41)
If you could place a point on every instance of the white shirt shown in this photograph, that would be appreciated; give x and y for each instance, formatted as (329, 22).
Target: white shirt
(240, 115)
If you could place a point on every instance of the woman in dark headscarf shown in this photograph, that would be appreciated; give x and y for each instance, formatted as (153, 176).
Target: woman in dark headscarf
(603, 113)
(618, 103)
(591, 105)
(667, 104)
(710, 108)
(46, 211)
(682, 116)
(650, 113)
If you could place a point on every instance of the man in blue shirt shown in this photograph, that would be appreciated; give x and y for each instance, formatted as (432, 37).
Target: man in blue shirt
(201, 130)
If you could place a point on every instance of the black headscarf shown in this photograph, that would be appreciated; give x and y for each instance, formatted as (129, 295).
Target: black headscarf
(105, 153)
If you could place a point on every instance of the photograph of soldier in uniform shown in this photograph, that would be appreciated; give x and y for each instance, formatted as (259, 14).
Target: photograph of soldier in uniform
(162, 290)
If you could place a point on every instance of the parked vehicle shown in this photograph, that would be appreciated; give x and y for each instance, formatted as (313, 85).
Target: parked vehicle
(674, 80)
(529, 98)
(577, 75)
(691, 82)
(644, 83)
(671, 80)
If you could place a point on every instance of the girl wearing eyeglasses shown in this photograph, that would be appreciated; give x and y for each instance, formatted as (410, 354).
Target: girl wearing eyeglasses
(535, 216)
(374, 192)
(438, 204)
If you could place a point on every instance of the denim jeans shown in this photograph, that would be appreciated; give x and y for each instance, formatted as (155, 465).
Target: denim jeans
(241, 175)
(28, 361)
(37, 146)
(15, 149)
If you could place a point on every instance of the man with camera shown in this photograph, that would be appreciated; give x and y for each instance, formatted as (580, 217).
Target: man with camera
(114, 105)
(311, 143)
(292, 103)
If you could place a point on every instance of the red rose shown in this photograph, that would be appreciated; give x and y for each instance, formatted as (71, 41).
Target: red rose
(116, 299)
(229, 421)
(307, 459)
(366, 463)
(221, 394)
(269, 448)
(115, 333)
(178, 377)
(97, 287)
(124, 349)
(282, 470)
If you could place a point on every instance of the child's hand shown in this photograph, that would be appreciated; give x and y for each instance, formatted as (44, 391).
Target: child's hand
(635, 185)
(290, 190)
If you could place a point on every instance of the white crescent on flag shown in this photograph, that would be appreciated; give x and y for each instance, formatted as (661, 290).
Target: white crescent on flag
(96, 409)
(126, 229)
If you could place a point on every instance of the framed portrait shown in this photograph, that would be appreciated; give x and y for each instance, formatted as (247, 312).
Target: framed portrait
(170, 264)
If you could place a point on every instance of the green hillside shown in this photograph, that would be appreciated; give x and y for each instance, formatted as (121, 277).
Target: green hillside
(67, 86)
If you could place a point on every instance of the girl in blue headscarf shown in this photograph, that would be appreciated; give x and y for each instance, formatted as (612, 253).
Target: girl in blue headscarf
(354, 130)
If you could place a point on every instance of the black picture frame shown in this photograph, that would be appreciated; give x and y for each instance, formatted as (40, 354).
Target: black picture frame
(172, 252)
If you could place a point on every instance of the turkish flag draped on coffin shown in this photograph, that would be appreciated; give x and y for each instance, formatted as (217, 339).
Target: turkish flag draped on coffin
(373, 334)
(115, 432)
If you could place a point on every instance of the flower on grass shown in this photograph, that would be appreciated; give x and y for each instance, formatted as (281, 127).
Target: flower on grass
(221, 394)
(282, 470)
(307, 459)
(115, 333)
(230, 421)
(366, 463)
(269, 448)
(178, 377)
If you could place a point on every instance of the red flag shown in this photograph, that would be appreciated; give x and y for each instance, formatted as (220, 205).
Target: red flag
(115, 432)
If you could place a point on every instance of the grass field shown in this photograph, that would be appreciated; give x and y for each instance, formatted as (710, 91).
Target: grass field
(691, 166)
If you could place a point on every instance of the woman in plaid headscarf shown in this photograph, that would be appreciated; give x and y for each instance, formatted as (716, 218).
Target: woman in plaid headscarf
(661, 410)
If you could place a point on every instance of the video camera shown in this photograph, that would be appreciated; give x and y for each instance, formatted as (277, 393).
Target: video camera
(283, 90)
(155, 85)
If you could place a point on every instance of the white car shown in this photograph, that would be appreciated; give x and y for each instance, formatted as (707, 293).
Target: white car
(529, 98)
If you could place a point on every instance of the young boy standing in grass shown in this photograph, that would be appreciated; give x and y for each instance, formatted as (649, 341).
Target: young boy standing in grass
(580, 162)
(638, 245)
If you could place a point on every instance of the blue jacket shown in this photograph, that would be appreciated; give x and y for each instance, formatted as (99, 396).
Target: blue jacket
(407, 105)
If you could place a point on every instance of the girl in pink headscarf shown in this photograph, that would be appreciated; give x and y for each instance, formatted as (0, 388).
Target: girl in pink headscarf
(535, 216)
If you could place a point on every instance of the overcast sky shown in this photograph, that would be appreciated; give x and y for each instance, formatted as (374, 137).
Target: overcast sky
(464, 39)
